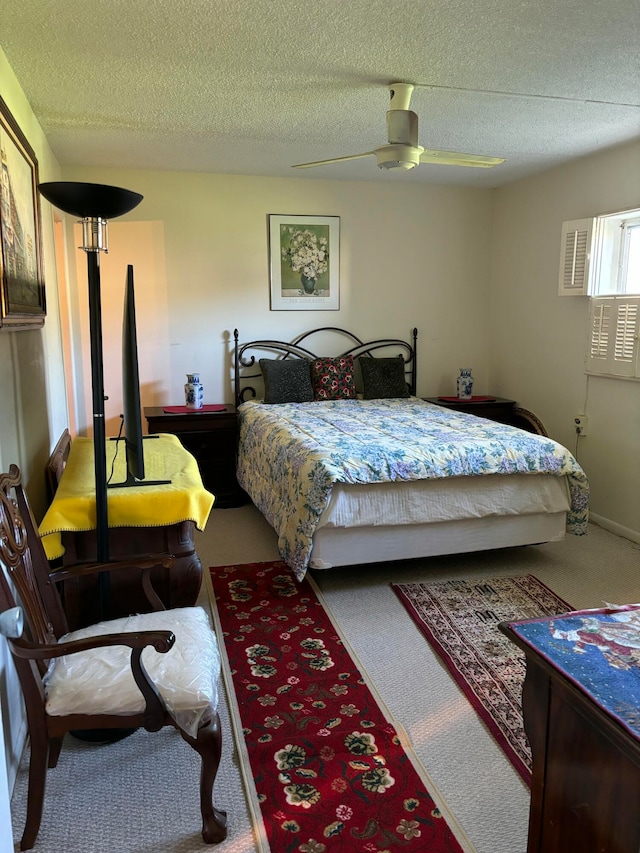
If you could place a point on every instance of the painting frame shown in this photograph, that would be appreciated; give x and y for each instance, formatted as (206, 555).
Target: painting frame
(304, 262)
(22, 291)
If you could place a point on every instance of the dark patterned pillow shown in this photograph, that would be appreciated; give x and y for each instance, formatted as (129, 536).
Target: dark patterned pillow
(287, 380)
(333, 378)
(383, 378)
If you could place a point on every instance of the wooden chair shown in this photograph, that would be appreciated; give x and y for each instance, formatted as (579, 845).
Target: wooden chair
(173, 683)
(524, 419)
(57, 461)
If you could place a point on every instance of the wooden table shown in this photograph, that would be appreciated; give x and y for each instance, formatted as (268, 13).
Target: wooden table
(585, 794)
(143, 520)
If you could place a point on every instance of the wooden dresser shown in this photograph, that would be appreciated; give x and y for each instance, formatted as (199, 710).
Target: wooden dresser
(585, 793)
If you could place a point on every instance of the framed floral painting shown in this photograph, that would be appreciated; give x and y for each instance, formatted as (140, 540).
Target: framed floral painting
(304, 260)
(22, 295)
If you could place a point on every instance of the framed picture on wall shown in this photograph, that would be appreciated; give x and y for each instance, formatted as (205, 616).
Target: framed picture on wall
(304, 262)
(22, 295)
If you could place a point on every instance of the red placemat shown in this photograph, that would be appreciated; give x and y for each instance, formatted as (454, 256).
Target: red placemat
(468, 400)
(183, 410)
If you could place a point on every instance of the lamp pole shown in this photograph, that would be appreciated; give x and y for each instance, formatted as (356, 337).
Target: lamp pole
(98, 398)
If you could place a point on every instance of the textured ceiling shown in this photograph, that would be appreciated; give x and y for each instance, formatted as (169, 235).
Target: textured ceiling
(239, 87)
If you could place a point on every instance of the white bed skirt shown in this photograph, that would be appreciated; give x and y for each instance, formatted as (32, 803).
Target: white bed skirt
(346, 546)
(427, 518)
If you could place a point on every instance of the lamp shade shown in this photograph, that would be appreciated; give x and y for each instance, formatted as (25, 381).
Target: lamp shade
(89, 200)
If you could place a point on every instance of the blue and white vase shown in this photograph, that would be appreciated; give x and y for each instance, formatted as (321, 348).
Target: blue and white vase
(465, 384)
(194, 391)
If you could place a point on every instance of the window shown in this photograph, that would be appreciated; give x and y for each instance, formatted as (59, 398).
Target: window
(600, 258)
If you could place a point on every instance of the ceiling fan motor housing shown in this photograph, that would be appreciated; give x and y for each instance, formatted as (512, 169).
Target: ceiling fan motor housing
(402, 127)
(398, 156)
(402, 150)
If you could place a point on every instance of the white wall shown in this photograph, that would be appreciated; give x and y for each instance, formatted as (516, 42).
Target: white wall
(33, 411)
(538, 339)
(142, 245)
(410, 256)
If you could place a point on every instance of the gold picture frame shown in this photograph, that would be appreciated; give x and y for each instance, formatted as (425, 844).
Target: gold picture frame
(22, 292)
(304, 262)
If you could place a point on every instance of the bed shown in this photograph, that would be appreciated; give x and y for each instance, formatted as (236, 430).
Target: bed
(349, 466)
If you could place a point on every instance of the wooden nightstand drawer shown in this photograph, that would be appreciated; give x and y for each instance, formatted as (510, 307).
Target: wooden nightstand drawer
(497, 409)
(215, 446)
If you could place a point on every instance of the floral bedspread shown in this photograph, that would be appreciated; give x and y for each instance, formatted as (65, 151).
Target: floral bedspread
(291, 454)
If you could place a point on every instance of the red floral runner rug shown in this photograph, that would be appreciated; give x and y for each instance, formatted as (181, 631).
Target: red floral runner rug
(459, 618)
(329, 768)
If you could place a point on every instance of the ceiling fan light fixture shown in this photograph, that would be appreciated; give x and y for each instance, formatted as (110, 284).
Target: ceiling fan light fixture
(398, 157)
(396, 164)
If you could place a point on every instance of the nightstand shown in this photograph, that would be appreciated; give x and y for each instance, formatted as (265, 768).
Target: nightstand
(496, 408)
(212, 438)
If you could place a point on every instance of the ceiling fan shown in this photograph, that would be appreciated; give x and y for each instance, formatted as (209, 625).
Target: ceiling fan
(402, 150)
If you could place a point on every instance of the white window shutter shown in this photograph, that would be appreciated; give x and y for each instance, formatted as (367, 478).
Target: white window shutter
(625, 347)
(575, 257)
(614, 333)
(599, 335)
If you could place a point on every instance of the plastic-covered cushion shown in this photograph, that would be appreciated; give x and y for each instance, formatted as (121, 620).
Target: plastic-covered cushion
(333, 378)
(383, 378)
(287, 380)
(100, 681)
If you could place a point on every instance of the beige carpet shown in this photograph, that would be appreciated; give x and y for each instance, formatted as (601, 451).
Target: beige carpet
(141, 795)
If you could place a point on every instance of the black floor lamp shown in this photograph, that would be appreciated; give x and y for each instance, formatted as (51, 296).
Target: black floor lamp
(94, 204)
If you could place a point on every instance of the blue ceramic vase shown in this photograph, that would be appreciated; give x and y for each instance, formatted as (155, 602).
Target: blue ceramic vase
(465, 384)
(194, 391)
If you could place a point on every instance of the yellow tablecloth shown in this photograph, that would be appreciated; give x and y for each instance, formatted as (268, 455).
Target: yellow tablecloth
(74, 509)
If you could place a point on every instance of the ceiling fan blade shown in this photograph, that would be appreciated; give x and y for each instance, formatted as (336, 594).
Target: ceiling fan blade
(451, 158)
(527, 95)
(333, 160)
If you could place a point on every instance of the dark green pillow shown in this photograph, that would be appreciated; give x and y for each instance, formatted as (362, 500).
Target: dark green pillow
(287, 380)
(383, 378)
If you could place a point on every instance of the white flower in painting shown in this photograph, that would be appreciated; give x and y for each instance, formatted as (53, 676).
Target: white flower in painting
(306, 253)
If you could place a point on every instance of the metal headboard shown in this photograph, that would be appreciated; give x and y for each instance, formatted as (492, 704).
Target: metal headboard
(245, 359)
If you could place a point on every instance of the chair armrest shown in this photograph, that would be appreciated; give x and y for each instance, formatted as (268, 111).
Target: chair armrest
(155, 710)
(143, 565)
(162, 641)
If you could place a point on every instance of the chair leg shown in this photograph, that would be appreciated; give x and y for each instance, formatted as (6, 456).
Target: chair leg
(35, 796)
(209, 745)
(55, 745)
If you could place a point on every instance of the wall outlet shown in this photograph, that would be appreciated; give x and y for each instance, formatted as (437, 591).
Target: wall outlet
(581, 423)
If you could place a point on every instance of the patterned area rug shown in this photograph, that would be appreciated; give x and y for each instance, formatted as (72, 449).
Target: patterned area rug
(459, 618)
(329, 768)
